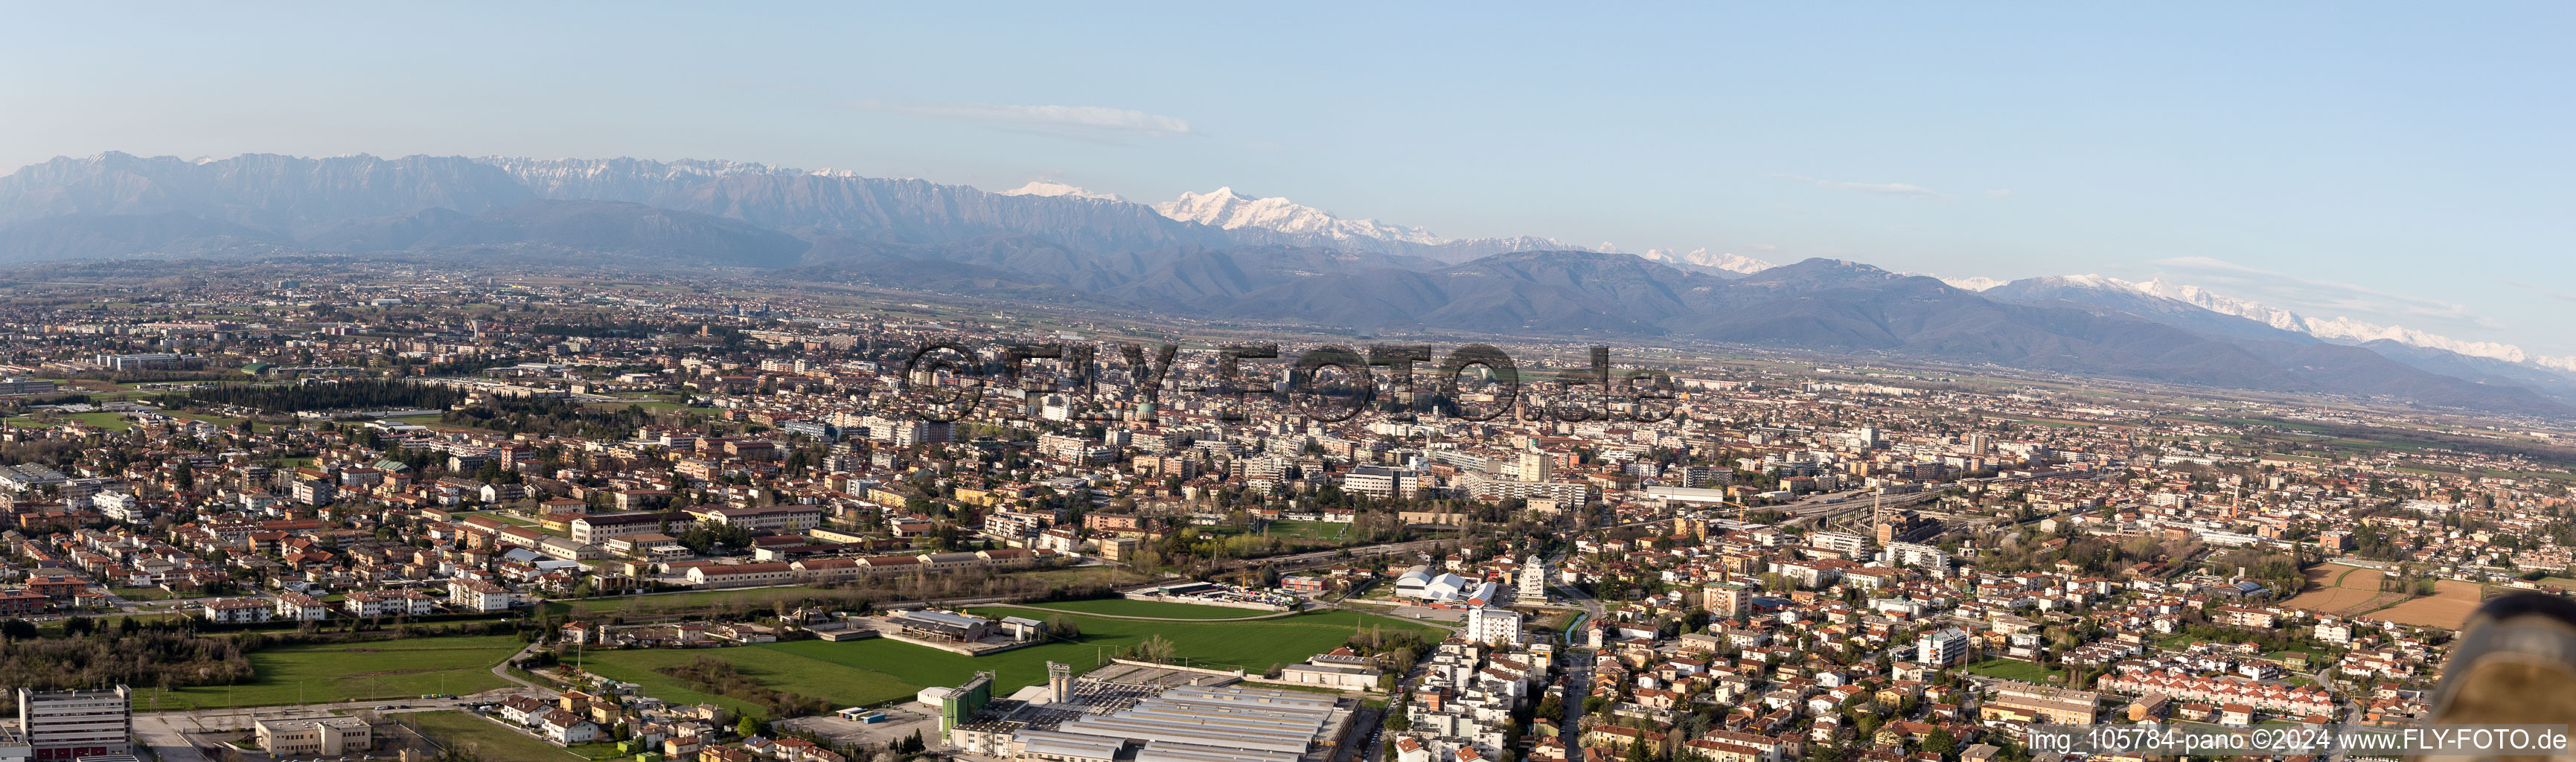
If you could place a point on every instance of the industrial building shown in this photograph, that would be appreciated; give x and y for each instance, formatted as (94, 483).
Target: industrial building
(1098, 720)
(959, 704)
(943, 625)
(1421, 583)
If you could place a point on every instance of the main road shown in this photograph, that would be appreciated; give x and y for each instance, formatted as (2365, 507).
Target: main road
(1578, 667)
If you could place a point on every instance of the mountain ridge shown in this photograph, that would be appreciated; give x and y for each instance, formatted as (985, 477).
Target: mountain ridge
(1059, 244)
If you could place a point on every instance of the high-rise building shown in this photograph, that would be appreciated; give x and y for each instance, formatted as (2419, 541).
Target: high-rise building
(1845, 542)
(1865, 438)
(1499, 627)
(1944, 648)
(1537, 466)
(1533, 580)
(1927, 557)
(65, 725)
(1726, 600)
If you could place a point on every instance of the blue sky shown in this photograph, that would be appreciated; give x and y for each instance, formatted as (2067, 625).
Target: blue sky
(2391, 163)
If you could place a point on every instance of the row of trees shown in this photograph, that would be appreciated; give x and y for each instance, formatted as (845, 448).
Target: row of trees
(356, 394)
(113, 655)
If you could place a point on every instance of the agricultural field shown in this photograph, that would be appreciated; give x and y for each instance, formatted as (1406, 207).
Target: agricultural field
(350, 672)
(2449, 606)
(2339, 589)
(2354, 591)
(1158, 609)
(864, 672)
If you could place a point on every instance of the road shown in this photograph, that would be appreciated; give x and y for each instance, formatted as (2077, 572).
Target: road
(502, 670)
(1578, 667)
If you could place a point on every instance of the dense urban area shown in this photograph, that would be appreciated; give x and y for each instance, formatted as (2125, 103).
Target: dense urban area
(397, 512)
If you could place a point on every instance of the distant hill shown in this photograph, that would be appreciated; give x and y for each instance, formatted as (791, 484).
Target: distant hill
(1220, 256)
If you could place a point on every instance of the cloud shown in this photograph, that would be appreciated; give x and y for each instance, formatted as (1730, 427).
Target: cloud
(1096, 120)
(1877, 189)
(2539, 289)
(2296, 293)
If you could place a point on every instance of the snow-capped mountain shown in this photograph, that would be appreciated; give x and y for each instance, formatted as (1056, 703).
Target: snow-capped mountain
(1975, 283)
(2339, 330)
(2342, 329)
(622, 178)
(2221, 304)
(1728, 261)
(1224, 208)
(1055, 189)
(1280, 221)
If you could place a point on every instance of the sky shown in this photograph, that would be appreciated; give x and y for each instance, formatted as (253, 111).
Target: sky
(2398, 164)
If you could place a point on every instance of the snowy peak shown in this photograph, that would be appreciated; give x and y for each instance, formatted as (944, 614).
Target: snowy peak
(2335, 329)
(622, 178)
(1728, 261)
(1227, 209)
(2226, 305)
(1056, 190)
(1973, 283)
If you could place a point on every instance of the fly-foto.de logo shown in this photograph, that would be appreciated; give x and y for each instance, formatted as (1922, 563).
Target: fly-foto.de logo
(947, 381)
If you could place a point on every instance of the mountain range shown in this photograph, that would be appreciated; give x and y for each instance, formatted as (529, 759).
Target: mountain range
(1219, 255)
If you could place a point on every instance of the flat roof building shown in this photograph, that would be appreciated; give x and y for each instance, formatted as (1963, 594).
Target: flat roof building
(62, 725)
(1188, 723)
(324, 736)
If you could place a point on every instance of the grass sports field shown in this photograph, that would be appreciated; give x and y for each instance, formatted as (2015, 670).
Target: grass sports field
(874, 671)
(1312, 530)
(385, 669)
(2009, 669)
(1163, 609)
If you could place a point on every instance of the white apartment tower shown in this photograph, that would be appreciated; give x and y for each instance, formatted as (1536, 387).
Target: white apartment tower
(1533, 580)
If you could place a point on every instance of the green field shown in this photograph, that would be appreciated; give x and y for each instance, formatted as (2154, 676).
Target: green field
(459, 730)
(658, 406)
(646, 605)
(866, 672)
(1311, 530)
(842, 684)
(350, 672)
(1161, 609)
(102, 419)
(2009, 669)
